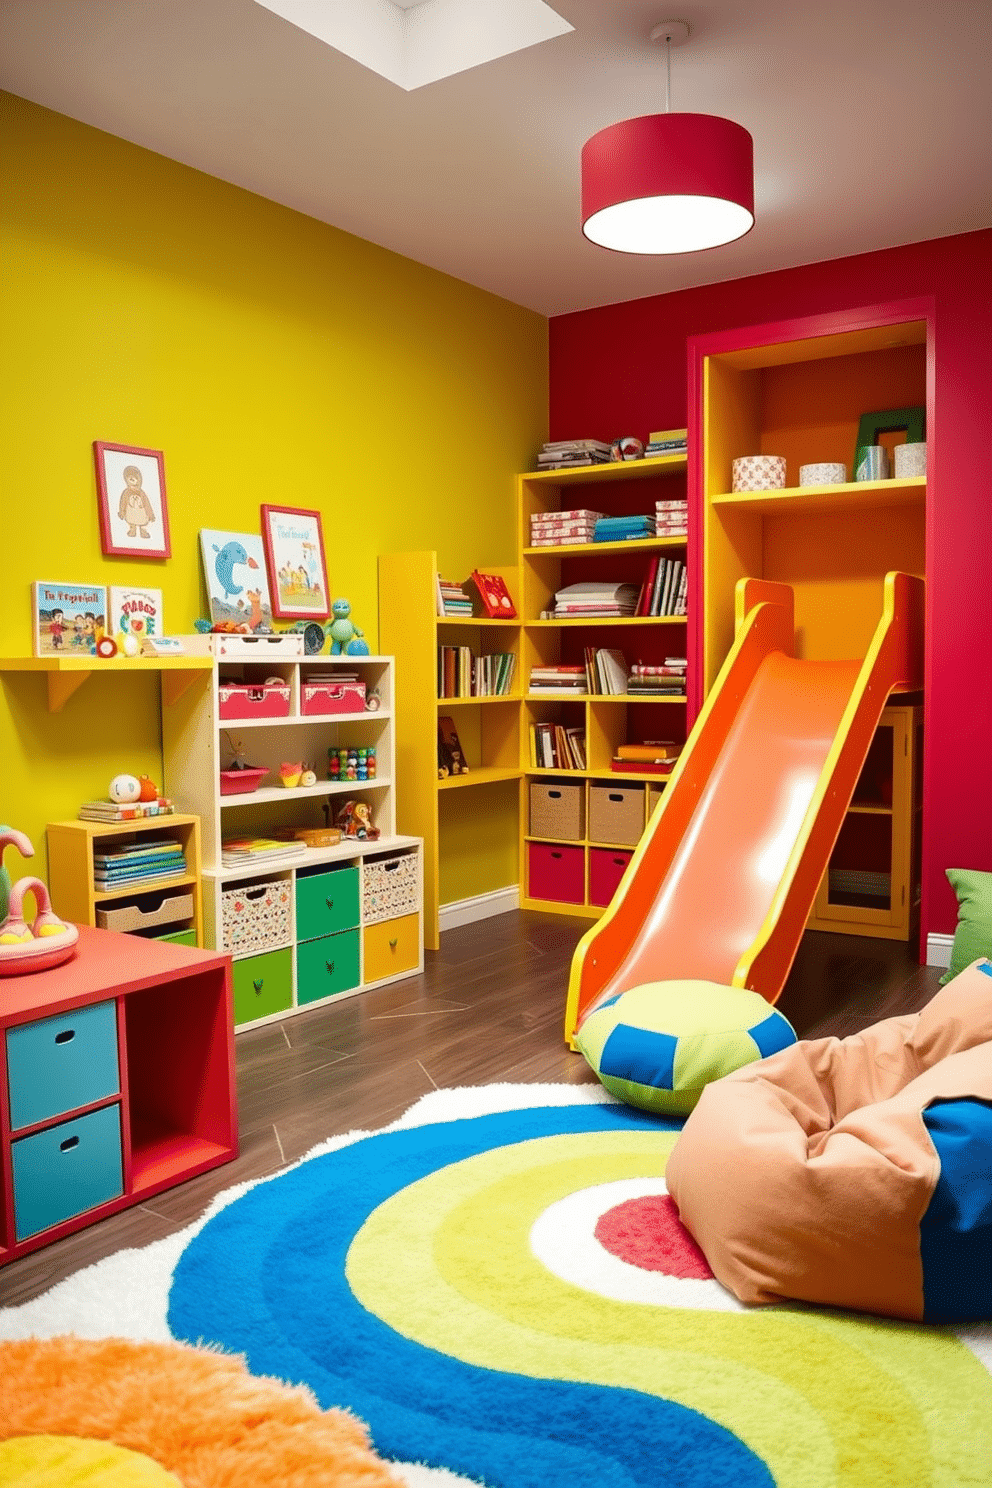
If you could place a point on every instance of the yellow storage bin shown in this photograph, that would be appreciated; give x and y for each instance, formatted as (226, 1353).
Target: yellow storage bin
(390, 947)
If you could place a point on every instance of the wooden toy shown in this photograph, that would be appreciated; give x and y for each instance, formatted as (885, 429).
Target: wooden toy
(355, 820)
(46, 942)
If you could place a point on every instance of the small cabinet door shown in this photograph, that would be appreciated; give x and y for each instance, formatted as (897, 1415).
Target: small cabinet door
(326, 967)
(391, 947)
(326, 903)
(263, 985)
(59, 1064)
(66, 1170)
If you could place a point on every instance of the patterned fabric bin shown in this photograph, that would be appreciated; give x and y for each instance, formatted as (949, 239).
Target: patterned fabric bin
(390, 887)
(257, 917)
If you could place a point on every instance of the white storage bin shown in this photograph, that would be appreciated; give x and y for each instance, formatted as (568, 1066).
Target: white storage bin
(390, 887)
(257, 916)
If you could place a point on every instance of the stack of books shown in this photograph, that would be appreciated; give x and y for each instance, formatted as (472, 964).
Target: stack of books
(653, 758)
(606, 672)
(558, 681)
(112, 811)
(596, 599)
(137, 862)
(452, 599)
(666, 679)
(667, 442)
(238, 852)
(563, 529)
(553, 747)
(663, 591)
(624, 529)
(563, 454)
(671, 517)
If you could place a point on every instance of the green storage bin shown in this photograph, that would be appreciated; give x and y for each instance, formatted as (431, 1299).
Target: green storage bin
(325, 967)
(326, 903)
(263, 985)
(179, 937)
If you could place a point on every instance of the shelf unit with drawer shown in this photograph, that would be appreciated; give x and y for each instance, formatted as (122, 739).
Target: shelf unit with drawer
(581, 834)
(162, 909)
(301, 930)
(110, 1091)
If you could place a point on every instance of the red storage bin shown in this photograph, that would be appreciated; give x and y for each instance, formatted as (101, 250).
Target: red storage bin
(606, 869)
(332, 697)
(556, 872)
(253, 700)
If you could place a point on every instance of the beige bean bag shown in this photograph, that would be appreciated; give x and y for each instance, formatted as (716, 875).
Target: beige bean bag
(856, 1172)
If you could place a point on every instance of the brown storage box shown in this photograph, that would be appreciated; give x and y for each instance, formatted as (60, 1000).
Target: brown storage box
(131, 917)
(655, 793)
(557, 810)
(616, 814)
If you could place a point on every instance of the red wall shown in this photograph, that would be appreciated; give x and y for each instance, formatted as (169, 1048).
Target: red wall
(621, 369)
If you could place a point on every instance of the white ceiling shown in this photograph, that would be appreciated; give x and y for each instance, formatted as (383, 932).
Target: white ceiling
(872, 124)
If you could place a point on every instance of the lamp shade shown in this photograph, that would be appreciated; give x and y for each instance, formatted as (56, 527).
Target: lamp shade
(668, 183)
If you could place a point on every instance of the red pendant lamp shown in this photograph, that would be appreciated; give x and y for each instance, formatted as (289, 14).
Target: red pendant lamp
(668, 183)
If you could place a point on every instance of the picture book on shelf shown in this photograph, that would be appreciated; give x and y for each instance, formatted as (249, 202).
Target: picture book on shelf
(234, 571)
(68, 619)
(134, 612)
(450, 756)
(494, 595)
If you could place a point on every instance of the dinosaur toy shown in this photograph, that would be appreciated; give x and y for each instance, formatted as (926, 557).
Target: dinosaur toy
(47, 941)
(346, 636)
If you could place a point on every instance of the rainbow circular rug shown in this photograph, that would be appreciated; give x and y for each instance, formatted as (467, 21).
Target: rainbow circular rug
(507, 1294)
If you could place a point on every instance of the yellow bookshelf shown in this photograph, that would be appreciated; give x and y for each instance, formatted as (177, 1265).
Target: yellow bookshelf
(488, 727)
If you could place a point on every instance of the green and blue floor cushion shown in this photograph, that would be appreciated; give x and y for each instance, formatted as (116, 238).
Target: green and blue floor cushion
(659, 1045)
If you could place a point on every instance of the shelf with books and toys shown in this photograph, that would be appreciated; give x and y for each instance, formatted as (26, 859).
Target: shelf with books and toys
(604, 606)
(457, 649)
(307, 883)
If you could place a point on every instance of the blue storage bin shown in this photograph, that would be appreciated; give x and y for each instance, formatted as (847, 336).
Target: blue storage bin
(66, 1169)
(62, 1063)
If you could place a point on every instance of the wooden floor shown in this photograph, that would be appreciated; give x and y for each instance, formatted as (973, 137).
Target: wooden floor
(489, 1007)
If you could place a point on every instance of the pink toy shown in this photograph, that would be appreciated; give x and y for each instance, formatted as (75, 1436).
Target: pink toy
(48, 941)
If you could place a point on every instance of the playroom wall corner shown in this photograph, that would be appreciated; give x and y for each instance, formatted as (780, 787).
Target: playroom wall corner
(272, 358)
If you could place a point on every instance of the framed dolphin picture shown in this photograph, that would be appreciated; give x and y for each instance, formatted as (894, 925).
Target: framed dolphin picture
(234, 572)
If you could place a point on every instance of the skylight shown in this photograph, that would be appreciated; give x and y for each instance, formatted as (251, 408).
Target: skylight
(415, 42)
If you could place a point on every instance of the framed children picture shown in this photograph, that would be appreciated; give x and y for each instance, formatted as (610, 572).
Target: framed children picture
(234, 573)
(294, 554)
(134, 518)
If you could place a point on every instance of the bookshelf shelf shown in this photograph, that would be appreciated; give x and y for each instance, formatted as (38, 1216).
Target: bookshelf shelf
(481, 776)
(66, 674)
(850, 496)
(562, 874)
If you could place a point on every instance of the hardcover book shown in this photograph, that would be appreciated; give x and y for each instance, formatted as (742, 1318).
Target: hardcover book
(68, 619)
(494, 595)
(134, 612)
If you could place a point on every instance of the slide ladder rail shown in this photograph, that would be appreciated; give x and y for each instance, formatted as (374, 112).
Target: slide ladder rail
(894, 661)
(768, 627)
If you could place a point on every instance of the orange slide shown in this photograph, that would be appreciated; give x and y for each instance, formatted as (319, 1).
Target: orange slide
(723, 880)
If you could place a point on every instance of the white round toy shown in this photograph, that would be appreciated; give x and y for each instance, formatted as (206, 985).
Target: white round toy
(124, 789)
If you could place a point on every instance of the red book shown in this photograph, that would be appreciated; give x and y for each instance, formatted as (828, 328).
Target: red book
(642, 767)
(494, 595)
(647, 588)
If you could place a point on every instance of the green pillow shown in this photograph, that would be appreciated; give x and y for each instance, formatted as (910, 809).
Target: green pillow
(973, 936)
(659, 1045)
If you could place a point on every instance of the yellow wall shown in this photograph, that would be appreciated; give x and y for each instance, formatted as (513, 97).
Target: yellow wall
(272, 358)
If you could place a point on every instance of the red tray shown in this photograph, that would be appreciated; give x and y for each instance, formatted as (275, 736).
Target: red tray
(239, 782)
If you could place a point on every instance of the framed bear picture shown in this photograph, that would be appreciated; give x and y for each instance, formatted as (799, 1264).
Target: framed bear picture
(134, 517)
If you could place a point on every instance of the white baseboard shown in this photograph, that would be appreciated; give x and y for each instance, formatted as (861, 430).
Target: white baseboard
(939, 949)
(479, 907)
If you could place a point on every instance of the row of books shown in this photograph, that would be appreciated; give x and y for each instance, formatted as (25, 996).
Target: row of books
(460, 673)
(113, 811)
(139, 862)
(605, 672)
(494, 599)
(237, 852)
(664, 590)
(595, 599)
(554, 747)
(625, 529)
(561, 454)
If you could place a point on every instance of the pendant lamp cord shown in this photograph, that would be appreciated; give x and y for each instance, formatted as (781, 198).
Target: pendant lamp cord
(668, 75)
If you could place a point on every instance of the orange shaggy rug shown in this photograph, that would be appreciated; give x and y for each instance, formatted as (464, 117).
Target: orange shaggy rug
(199, 1415)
